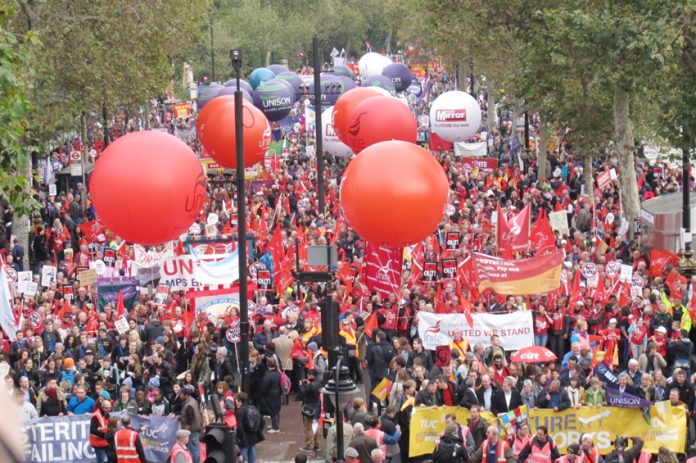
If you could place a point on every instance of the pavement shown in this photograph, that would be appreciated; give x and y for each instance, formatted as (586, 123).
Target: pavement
(283, 446)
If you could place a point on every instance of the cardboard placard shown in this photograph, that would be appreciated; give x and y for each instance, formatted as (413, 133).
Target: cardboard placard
(48, 275)
(88, 277)
(559, 221)
(121, 325)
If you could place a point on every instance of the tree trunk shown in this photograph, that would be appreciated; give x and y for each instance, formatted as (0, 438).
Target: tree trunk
(623, 132)
(490, 112)
(268, 57)
(587, 176)
(21, 224)
(541, 159)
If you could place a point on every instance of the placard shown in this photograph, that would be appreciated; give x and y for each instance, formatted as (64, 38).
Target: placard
(68, 293)
(626, 273)
(109, 257)
(48, 275)
(449, 268)
(121, 325)
(429, 272)
(25, 275)
(52, 190)
(452, 240)
(88, 277)
(28, 288)
(263, 279)
(559, 222)
(162, 294)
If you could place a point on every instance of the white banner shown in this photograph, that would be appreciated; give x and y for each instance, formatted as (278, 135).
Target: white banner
(470, 150)
(515, 329)
(222, 272)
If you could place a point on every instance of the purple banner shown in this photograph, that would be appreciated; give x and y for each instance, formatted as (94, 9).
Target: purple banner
(616, 398)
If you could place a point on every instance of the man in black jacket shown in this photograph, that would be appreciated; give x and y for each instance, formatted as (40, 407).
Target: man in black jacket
(247, 438)
(311, 408)
(506, 398)
(379, 354)
(553, 397)
(620, 454)
(467, 393)
(419, 352)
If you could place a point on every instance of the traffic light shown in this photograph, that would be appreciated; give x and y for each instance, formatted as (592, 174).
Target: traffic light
(220, 444)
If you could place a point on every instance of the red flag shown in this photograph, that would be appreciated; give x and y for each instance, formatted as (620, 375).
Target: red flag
(624, 298)
(120, 307)
(91, 229)
(600, 294)
(275, 246)
(513, 234)
(417, 258)
(371, 324)
(440, 305)
(468, 278)
(64, 310)
(284, 278)
(659, 260)
(673, 282)
(543, 238)
(575, 295)
(382, 269)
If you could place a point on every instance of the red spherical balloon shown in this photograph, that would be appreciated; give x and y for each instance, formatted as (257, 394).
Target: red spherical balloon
(148, 187)
(345, 104)
(380, 118)
(219, 138)
(394, 193)
(212, 107)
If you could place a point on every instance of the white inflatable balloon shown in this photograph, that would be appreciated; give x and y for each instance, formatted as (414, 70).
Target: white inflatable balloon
(372, 64)
(332, 144)
(455, 116)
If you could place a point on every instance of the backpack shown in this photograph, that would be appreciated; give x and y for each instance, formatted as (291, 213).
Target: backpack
(252, 419)
(448, 451)
(285, 384)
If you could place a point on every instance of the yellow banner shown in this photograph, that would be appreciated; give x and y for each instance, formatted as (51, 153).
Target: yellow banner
(667, 426)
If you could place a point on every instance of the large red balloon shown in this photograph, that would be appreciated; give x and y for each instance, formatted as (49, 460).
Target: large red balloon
(212, 107)
(394, 193)
(218, 134)
(345, 104)
(380, 118)
(148, 187)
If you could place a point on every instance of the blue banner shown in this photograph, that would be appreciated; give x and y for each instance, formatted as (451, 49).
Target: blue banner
(63, 439)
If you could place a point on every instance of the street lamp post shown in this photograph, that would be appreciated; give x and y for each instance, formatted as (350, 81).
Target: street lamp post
(526, 131)
(212, 51)
(317, 128)
(236, 58)
(472, 79)
(340, 385)
(687, 264)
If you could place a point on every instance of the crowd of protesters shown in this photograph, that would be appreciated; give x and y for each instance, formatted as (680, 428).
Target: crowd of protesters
(69, 359)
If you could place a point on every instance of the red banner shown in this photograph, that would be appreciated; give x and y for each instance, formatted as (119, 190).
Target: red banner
(478, 163)
(603, 179)
(518, 277)
(513, 234)
(382, 269)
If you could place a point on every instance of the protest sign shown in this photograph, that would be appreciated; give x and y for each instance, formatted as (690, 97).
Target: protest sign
(667, 426)
(66, 438)
(518, 277)
(121, 325)
(108, 289)
(88, 277)
(515, 329)
(559, 222)
(28, 288)
(48, 275)
(162, 294)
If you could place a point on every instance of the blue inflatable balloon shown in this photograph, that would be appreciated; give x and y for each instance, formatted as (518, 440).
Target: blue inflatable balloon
(293, 79)
(230, 91)
(400, 75)
(278, 68)
(344, 71)
(380, 81)
(331, 88)
(348, 83)
(207, 93)
(242, 83)
(259, 75)
(274, 98)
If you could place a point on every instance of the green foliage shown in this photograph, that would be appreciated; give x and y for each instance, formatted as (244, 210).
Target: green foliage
(15, 53)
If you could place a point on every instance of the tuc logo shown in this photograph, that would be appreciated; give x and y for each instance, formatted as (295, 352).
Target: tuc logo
(450, 115)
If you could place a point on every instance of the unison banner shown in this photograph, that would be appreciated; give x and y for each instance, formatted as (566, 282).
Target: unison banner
(66, 438)
(515, 329)
(666, 426)
(518, 277)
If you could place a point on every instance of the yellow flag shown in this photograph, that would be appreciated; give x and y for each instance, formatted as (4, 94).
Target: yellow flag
(381, 391)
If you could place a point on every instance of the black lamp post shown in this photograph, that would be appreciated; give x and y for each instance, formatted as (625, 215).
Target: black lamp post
(340, 385)
(236, 57)
(212, 50)
(317, 128)
(687, 264)
(526, 131)
(472, 79)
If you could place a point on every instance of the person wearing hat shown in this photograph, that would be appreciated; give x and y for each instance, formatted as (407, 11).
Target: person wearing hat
(180, 452)
(191, 420)
(571, 455)
(350, 455)
(127, 443)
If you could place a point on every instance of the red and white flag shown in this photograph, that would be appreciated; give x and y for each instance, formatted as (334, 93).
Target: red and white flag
(381, 270)
(513, 235)
(660, 260)
(543, 238)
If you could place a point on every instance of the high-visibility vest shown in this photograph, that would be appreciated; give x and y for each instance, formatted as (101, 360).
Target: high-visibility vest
(503, 446)
(96, 441)
(124, 442)
(378, 436)
(540, 455)
(462, 346)
(690, 460)
(564, 459)
(179, 449)
(593, 458)
(351, 340)
(645, 457)
(519, 444)
(306, 336)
